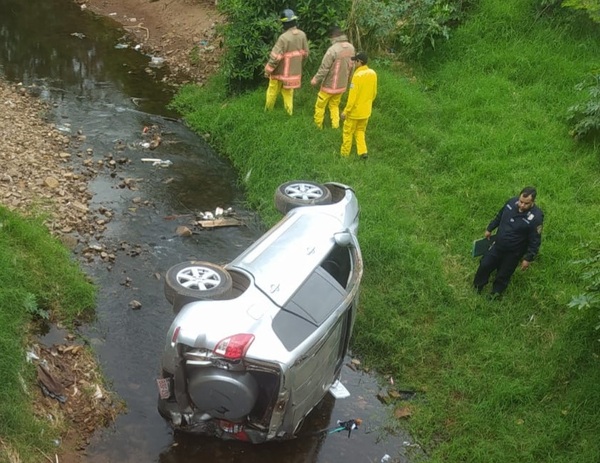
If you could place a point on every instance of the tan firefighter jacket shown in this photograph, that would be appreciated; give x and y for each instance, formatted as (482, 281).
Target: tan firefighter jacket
(336, 66)
(285, 60)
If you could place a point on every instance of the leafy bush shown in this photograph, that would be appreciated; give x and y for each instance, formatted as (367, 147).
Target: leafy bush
(398, 26)
(590, 299)
(253, 27)
(585, 116)
(403, 27)
(591, 7)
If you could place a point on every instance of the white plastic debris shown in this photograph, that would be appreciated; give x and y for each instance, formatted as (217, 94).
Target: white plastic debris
(156, 61)
(385, 458)
(158, 162)
(31, 355)
(98, 395)
(338, 390)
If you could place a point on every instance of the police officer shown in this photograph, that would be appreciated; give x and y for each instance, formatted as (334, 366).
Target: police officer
(519, 236)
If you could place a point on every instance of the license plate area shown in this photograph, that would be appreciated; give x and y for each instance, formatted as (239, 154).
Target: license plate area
(164, 387)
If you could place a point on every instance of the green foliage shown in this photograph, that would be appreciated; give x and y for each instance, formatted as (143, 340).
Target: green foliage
(391, 26)
(591, 7)
(405, 28)
(585, 117)
(590, 298)
(32, 308)
(31, 259)
(253, 27)
(550, 4)
(38, 280)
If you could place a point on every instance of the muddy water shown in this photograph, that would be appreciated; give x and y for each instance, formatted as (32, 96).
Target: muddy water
(99, 85)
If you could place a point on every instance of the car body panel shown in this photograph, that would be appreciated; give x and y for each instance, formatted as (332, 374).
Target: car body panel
(295, 295)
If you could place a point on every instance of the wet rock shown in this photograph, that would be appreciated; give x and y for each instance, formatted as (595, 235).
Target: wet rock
(182, 230)
(403, 412)
(51, 182)
(69, 241)
(37, 167)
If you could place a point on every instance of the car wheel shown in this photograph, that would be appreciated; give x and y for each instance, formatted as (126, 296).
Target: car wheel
(300, 193)
(194, 281)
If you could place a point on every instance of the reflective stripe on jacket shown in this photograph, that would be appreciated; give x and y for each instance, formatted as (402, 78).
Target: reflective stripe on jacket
(363, 90)
(336, 66)
(285, 60)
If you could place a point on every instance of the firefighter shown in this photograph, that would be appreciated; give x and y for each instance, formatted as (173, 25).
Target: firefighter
(284, 68)
(334, 76)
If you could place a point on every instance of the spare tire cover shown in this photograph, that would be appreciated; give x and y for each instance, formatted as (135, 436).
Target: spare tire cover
(221, 393)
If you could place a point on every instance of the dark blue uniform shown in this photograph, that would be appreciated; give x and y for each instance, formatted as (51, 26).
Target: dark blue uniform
(519, 236)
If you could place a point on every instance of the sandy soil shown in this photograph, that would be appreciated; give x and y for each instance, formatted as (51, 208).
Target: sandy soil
(44, 171)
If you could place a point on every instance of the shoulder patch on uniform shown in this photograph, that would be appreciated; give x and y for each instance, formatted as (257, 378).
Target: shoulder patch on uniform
(539, 229)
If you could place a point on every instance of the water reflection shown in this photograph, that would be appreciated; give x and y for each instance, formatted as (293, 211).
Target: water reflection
(76, 50)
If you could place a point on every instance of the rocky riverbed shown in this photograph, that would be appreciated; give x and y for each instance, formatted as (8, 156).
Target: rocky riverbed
(46, 171)
(43, 172)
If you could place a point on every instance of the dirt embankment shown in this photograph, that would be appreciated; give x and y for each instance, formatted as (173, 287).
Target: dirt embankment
(43, 170)
(182, 32)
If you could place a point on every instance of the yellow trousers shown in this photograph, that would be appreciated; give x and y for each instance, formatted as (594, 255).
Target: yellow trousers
(354, 129)
(273, 90)
(324, 100)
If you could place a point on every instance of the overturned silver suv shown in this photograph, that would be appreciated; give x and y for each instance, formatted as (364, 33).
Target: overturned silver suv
(256, 344)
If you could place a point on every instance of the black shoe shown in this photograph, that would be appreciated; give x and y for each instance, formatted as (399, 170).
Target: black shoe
(364, 157)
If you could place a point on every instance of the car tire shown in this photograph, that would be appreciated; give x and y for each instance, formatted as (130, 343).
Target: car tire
(300, 193)
(195, 281)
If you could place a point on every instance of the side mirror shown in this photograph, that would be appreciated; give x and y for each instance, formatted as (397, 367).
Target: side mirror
(343, 239)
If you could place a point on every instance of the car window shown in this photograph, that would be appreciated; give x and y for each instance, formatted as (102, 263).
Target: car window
(311, 305)
(338, 265)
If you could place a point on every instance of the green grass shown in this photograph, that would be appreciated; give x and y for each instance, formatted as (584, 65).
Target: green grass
(38, 278)
(483, 116)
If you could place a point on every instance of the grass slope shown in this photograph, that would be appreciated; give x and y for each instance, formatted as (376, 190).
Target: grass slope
(510, 381)
(37, 278)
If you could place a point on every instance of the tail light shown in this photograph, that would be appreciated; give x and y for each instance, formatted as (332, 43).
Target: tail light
(234, 347)
(175, 335)
(236, 429)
